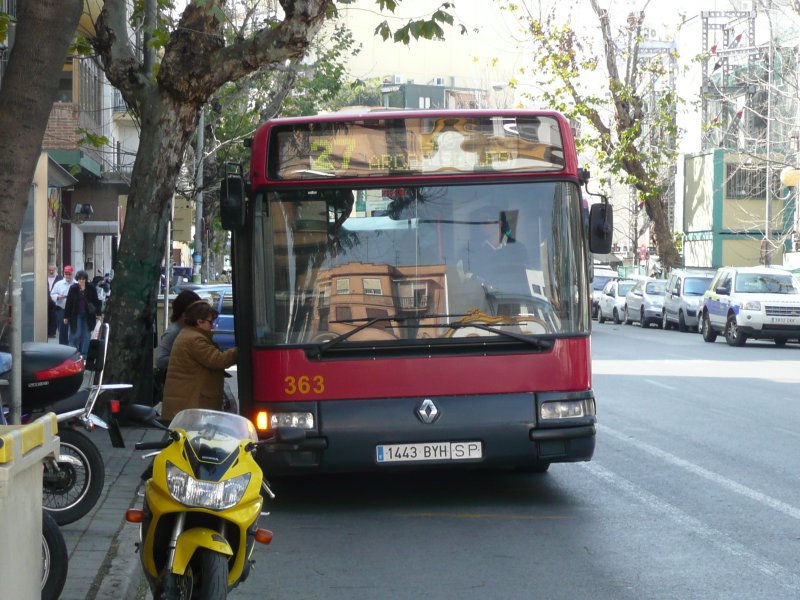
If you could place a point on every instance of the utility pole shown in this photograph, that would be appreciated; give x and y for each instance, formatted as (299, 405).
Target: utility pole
(770, 82)
(198, 214)
(15, 416)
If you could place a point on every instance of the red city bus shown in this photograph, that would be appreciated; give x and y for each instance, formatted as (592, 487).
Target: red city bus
(412, 289)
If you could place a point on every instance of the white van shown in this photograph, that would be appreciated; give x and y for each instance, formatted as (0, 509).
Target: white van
(601, 275)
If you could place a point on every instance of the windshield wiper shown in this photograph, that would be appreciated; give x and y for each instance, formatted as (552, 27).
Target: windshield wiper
(541, 342)
(325, 346)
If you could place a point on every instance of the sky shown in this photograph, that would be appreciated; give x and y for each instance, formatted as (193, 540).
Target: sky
(493, 52)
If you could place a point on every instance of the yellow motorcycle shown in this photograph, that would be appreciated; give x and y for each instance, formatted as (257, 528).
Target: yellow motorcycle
(202, 500)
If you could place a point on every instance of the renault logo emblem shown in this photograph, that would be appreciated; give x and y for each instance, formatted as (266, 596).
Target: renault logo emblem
(427, 411)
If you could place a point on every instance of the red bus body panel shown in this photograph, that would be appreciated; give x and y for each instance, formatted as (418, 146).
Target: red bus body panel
(566, 368)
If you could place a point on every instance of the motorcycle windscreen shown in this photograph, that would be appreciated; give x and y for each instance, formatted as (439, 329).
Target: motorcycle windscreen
(211, 429)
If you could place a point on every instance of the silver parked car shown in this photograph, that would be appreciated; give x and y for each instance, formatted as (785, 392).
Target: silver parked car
(611, 302)
(645, 302)
(683, 299)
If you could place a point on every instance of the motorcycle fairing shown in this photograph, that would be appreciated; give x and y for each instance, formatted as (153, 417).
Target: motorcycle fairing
(208, 463)
(240, 519)
(192, 539)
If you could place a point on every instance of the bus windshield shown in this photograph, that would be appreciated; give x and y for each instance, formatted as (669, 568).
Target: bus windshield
(419, 263)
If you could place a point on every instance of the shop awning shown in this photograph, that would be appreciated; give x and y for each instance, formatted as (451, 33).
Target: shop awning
(77, 163)
(58, 176)
(612, 260)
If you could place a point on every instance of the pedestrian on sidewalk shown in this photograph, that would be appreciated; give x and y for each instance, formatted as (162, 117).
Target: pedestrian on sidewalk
(58, 294)
(82, 311)
(179, 306)
(53, 318)
(196, 372)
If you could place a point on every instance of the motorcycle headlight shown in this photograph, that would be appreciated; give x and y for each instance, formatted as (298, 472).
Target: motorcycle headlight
(215, 495)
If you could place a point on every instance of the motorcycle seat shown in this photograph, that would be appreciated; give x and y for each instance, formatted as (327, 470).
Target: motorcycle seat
(74, 402)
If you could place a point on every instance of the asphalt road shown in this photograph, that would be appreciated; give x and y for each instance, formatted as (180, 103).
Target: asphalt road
(693, 493)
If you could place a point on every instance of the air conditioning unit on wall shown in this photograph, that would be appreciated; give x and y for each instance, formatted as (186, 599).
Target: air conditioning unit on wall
(398, 79)
(438, 81)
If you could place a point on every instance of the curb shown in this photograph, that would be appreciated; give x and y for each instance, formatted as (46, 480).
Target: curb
(121, 574)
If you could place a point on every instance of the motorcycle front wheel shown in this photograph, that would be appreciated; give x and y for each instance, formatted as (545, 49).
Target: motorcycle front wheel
(72, 490)
(54, 559)
(205, 579)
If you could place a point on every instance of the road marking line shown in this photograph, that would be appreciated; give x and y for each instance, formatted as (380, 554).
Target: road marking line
(774, 503)
(781, 371)
(782, 576)
(661, 385)
(498, 517)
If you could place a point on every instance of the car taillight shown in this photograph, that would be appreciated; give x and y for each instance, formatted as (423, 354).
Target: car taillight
(71, 366)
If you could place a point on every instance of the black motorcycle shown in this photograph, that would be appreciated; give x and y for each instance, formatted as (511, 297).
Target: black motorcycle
(56, 378)
(55, 560)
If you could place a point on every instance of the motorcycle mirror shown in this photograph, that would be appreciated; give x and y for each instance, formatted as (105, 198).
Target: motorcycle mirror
(281, 435)
(145, 415)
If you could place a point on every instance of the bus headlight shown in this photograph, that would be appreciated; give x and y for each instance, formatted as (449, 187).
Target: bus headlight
(566, 409)
(302, 420)
(216, 495)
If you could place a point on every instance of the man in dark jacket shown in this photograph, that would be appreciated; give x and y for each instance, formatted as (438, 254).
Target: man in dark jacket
(81, 312)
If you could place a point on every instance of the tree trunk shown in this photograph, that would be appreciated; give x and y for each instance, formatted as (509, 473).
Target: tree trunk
(44, 31)
(667, 254)
(167, 128)
(195, 63)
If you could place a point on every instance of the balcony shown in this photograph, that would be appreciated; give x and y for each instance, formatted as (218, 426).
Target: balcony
(9, 7)
(120, 108)
(413, 303)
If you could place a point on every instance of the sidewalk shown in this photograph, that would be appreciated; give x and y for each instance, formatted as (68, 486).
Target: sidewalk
(103, 563)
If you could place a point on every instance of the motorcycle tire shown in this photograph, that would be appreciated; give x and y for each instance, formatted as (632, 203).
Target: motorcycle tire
(55, 561)
(205, 579)
(73, 491)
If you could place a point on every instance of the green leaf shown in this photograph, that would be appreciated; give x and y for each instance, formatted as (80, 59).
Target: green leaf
(4, 21)
(389, 5)
(384, 31)
(219, 14)
(91, 139)
(81, 46)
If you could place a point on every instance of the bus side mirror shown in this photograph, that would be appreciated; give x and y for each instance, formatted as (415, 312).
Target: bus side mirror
(231, 202)
(601, 228)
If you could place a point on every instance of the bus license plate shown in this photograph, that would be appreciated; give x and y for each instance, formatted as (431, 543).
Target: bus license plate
(429, 451)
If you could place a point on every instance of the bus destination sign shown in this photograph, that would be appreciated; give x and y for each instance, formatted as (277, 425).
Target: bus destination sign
(416, 146)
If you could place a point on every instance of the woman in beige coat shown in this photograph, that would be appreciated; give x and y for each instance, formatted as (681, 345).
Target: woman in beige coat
(196, 372)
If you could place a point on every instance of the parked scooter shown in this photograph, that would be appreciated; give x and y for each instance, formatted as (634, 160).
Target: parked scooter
(52, 378)
(202, 500)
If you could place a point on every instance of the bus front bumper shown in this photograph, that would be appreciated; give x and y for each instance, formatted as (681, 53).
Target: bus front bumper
(502, 430)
